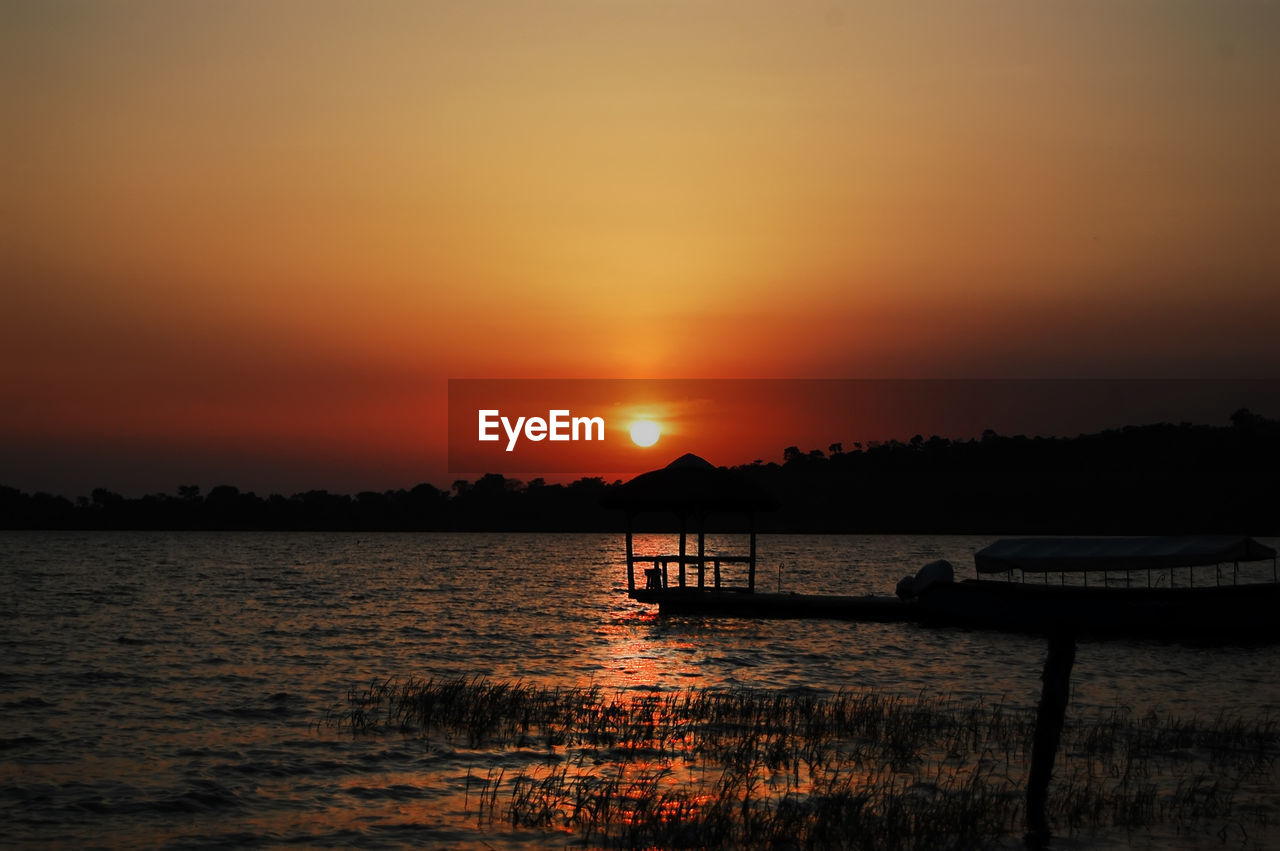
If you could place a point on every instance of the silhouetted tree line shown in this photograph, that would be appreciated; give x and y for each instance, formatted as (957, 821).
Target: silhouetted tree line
(1154, 479)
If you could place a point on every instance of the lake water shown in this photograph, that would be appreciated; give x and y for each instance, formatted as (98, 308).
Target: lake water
(176, 688)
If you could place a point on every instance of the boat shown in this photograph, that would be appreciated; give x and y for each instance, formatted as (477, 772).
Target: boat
(1131, 585)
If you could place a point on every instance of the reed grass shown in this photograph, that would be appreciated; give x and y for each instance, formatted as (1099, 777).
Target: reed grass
(850, 769)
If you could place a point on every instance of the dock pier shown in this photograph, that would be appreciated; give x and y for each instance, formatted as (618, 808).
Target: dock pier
(755, 604)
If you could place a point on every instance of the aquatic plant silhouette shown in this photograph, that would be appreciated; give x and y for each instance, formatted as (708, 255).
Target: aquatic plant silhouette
(794, 768)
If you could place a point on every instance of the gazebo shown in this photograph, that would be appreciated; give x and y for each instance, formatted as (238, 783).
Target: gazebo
(691, 488)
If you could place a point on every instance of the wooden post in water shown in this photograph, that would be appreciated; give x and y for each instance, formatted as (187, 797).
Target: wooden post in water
(1049, 719)
(751, 560)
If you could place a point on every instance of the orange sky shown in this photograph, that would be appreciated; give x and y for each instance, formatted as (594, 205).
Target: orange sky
(251, 242)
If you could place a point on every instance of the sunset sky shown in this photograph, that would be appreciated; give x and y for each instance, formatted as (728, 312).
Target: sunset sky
(251, 242)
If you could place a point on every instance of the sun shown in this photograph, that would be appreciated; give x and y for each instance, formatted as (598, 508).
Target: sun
(645, 432)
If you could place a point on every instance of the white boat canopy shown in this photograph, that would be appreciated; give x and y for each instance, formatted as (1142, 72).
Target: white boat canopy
(1074, 555)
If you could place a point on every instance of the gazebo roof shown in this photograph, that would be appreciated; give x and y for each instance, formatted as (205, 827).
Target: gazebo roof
(690, 484)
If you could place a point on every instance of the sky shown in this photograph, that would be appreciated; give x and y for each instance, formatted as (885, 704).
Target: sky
(251, 243)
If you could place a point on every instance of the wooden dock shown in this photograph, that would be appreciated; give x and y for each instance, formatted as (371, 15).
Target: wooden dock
(743, 604)
(1232, 613)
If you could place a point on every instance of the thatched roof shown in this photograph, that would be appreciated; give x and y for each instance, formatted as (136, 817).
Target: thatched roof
(689, 484)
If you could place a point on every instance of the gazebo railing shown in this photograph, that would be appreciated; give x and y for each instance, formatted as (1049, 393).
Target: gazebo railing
(657, 575)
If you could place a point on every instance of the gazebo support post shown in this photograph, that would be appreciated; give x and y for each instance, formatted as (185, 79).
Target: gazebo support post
(751, 560)
(682, 548)
(631, 559)
(702, 551)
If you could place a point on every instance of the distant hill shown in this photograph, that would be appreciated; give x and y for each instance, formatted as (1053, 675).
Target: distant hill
(1152, 479)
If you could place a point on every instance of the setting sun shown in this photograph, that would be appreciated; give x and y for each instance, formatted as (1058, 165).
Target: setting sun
(645, 432)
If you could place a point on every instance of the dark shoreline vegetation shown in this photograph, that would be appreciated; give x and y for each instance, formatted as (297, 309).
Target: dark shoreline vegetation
(755, 768)
(1152, 479)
